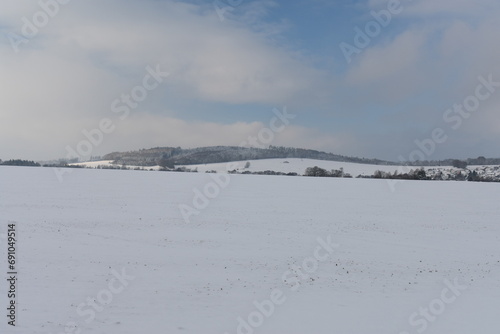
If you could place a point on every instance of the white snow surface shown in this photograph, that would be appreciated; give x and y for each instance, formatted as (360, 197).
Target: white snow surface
(294, 165)
(396, 249)
(109, 163)
(279, 165)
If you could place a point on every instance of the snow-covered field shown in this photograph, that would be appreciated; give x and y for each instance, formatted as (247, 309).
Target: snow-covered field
(109, 163)
(299, 166)
(294, 165)
(108, 251)
(279, 165)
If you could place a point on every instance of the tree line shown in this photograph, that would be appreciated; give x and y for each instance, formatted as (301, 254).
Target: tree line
(19, 162)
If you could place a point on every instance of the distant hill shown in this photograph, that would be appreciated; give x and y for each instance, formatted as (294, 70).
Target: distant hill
(170, 156)
(144, 157)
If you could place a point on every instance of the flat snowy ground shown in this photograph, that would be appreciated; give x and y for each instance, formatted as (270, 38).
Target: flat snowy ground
(421, 259)
(295, 165)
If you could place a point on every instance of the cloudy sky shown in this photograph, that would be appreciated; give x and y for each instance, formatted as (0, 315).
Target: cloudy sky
(364, 78)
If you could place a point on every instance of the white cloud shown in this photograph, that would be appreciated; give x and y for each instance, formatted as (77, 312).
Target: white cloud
(380, 62)
(390, 72)
(157, 130)
(213, 60)
(65, 78)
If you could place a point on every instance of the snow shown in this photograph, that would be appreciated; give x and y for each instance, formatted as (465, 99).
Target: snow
(295, 165)
(279, 165)
(93, 164)
(398, 252)
(109, 163)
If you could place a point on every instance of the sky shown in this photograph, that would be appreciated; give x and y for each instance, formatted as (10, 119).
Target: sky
(394, 80)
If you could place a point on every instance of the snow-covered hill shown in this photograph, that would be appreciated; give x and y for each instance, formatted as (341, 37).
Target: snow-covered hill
(108, 251)
(279, 165)
(299, 166)
(292, 166)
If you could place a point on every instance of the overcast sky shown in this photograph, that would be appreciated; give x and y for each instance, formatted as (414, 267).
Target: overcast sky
(66, 66)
